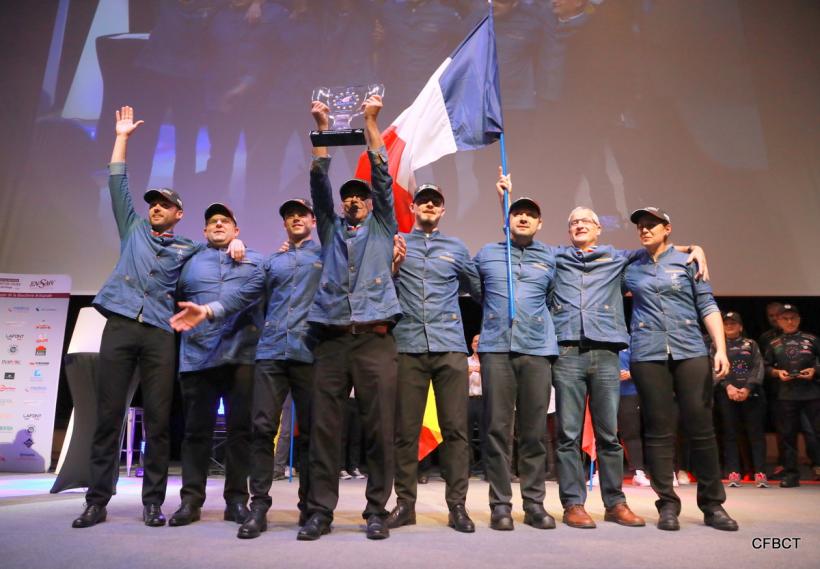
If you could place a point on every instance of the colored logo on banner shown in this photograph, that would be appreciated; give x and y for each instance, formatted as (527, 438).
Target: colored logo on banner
(40, 351)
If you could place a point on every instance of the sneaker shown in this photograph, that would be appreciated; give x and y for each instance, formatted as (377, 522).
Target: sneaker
(734, 480)
(778, 472)
(344, 475)
(675, 482)
(683, 478)
(288, 472)
(595, 480)
(640, 479)
(761, 481)
(357, 474)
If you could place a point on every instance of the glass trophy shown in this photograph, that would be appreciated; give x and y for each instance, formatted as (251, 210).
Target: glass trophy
(345, 104)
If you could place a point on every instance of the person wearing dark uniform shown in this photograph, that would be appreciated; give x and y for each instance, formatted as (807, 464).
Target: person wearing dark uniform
(671, 368)
(288, 280)
(793, 358)
(137, 300)
(354, 312)
(431, 346)
(516, 363)
(742, 401)
(216, 361)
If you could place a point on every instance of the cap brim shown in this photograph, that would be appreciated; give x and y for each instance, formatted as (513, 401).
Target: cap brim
(428, 192)
(636, 215)
(353, 185)
(522, 203)
(293, 204)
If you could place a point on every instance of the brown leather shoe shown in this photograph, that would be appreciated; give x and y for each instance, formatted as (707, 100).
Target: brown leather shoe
(621, 514)
(576, 516)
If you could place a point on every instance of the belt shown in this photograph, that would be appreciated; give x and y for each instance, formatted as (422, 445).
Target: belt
(381, 328)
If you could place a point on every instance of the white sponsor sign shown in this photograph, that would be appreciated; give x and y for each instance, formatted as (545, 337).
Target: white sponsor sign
(33, 311)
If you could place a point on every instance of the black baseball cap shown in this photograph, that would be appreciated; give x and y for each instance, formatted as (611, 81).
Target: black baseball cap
(653, 211)
(218, 207)
(427, 190)
(525, 202)
(731, 315)
(355, 184)
(166, 194)
(790, 308)
(297, 203)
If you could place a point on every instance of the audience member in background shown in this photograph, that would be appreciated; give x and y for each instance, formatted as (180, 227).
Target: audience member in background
(742, 402)
(629, 423)
(793, 358)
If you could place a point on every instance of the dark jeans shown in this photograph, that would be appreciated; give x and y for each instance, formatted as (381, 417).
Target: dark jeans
(684, 385)
(448, 372)
(273, 380)
(629, 426)
(125, 344)
(749, 415)
(201, 391)
(788, 424)
(577, 374)
(366, 362)
(512, 382)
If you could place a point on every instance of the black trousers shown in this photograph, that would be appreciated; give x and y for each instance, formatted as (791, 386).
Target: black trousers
(788, 425)
(201, 391)
(366, 362)
(629, 427)
(513, 384)
(475, 421)
(273, 379)
(749, 415)
(351, 455)
(448, 373)
(666, 387)
(125, 344)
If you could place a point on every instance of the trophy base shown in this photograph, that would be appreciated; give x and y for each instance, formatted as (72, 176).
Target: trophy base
(347, 137)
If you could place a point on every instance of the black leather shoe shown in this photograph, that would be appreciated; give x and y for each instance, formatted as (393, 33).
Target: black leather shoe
(668, 520)
(790, 482)
(537, 517)
(303, 518)
(185, 515)
(501, 519)
(152, 516)
(92, 515)
(236, 512)
(377, 528)
(719, 519)
(402, 515)
(316, 526)
(459, 520)
(256, 523)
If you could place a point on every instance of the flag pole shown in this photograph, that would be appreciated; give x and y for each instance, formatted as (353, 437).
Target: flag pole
(506, 214)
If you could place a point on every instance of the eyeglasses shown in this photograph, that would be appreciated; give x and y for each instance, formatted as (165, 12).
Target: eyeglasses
(582, 221)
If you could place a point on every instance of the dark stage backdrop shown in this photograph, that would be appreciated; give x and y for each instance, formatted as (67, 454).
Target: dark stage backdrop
(708, 108)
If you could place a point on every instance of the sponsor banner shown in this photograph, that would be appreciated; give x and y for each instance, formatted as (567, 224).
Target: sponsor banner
(33, 310)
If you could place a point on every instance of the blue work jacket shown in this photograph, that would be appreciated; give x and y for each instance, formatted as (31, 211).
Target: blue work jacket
(668, 305)
(289, 281)
(436, 268)
(144, 281)
(357, 281)
(531, 332)
(210, 274)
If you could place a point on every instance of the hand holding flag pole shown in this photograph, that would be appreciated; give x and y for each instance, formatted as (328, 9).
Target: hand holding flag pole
(504, 185)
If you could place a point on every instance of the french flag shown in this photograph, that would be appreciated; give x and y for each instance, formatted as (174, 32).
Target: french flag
(458, 109)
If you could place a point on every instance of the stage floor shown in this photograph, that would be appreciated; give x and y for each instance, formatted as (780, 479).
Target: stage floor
(36, 533)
